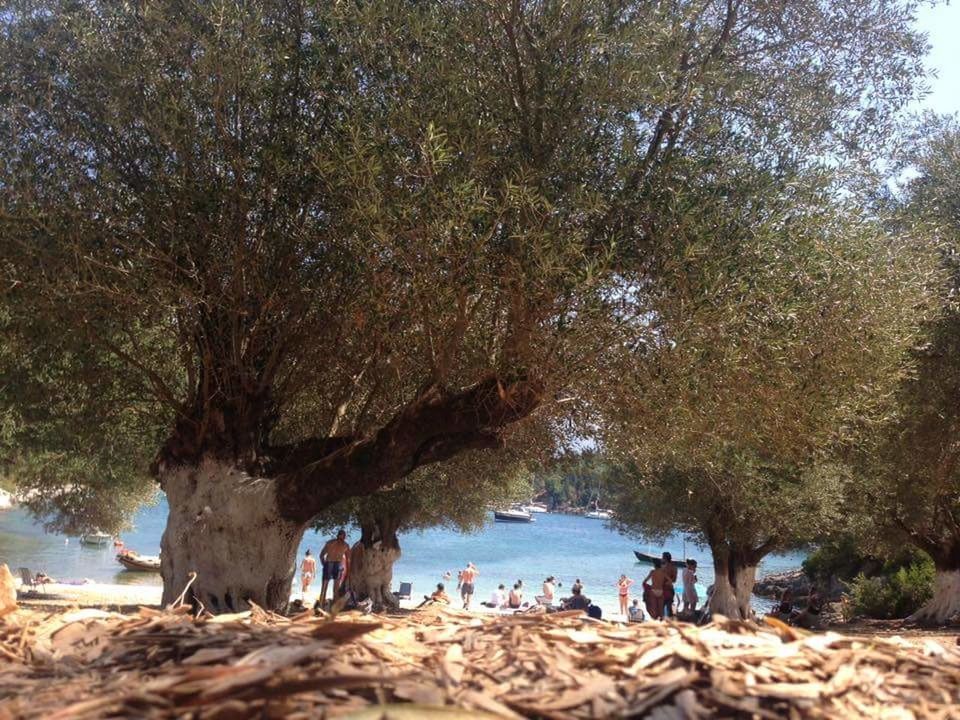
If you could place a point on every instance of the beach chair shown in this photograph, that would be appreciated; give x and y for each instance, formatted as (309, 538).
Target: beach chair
(30, 581)
(405, 591)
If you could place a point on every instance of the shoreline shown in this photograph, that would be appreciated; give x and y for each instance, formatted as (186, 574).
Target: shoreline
(113, 595)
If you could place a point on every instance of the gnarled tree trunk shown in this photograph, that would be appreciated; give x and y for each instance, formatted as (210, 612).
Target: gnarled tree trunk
(735, 571)
(371, 563)
(238, 507)
(226, 527)
(945, 603)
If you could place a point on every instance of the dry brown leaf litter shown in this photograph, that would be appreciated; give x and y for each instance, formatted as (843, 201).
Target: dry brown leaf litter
(438, 662)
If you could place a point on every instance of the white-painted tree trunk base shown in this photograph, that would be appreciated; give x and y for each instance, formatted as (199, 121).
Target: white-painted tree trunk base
(733, 601)
(746, 579)
(945, 603)
(723, 601)
(371, 573)
(225, 526)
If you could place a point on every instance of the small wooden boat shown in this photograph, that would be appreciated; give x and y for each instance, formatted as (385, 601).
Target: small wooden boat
(648, 559)
(97, 539)
(512, 515)
(139, 563)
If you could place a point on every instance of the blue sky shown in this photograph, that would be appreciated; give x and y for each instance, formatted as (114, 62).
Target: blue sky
(942, 25)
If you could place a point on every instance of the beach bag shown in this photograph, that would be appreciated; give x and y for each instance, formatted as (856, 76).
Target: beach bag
(595, 612)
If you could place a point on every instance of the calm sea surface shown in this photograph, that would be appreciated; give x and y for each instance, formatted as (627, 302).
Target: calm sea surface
(567, 546)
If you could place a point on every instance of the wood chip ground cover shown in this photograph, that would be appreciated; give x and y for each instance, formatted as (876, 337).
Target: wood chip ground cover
(447, 664)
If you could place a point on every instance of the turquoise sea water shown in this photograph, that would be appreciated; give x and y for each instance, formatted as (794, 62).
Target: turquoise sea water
(567, 546)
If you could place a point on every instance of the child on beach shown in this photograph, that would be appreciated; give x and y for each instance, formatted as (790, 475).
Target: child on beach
(623, 586)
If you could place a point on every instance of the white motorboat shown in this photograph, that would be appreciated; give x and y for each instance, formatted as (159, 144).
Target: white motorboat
(96, 539)
(598, 514)
(516, 515)
(535, 508)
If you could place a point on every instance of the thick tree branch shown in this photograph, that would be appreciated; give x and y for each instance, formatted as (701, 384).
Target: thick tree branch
(436, 426)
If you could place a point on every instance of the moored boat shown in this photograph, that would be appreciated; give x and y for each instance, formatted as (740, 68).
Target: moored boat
(140, 563)
(535, 508)
(648, 559)
(96, 539)
(512, 515)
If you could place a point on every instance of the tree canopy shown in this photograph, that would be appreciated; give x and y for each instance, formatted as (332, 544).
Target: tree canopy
(327, 245)
(786, 329)
(905, 483)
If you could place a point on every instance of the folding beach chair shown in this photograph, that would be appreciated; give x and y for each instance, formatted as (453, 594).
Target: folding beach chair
(405, 591)
(31, 581)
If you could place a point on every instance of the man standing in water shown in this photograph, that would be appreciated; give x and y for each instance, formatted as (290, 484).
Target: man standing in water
(308, 571)
(467, 577)
(335, 557)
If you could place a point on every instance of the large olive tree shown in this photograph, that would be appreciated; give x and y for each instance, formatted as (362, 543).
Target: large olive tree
(324, 245)
(906, 485)
(786, 329)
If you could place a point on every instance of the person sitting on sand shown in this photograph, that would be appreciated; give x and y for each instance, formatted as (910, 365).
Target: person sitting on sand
(809, 617)
(467, 578)
(515, 600)
(498, 598)
(548, 592)
(690, 598)
(577, 601)
(440, 595)
(635, 612)
(335, 558)
(308, 571)
(653, 590)
(785, 606)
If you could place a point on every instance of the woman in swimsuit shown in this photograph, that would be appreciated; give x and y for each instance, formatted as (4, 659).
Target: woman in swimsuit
(653, 587)
(623, 587)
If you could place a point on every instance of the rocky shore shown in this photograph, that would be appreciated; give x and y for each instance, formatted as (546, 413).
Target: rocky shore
(772, 586)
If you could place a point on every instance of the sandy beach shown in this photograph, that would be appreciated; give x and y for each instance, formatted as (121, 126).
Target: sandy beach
(91, 594)
(112, 596)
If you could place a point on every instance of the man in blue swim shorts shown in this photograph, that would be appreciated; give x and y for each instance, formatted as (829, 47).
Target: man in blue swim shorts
(335, 557)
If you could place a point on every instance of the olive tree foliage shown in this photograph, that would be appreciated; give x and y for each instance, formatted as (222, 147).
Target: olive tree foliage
(328, 244)
(54, 432)
(786, 326)
(906, 483)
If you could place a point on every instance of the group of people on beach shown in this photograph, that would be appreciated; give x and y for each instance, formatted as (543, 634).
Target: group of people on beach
(659, 589)
(512, 599)
(659, 594)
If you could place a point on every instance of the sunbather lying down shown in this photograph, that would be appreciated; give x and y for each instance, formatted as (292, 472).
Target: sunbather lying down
(438, 596)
